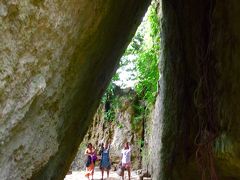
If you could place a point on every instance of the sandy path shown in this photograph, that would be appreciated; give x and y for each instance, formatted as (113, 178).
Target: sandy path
(79, 175)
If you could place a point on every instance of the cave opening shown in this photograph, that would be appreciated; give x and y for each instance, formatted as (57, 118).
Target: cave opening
(57, 58)
(124, 113)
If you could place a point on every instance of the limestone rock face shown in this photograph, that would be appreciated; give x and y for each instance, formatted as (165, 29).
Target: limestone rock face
(155, 142)
(198, 108)
(116, 130)
(56, 58)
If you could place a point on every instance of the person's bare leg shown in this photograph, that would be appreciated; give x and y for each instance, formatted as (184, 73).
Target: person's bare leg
(123, 175)
(129, 173)
(102, 172)
(87, 175)
(107, 173)
(92, 174)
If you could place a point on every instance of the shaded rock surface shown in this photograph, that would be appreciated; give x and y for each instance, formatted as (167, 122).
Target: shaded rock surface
(55, 62)
(196, 125)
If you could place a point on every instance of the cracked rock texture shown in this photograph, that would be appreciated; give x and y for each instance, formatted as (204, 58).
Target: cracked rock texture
(196, 122)
(56, 58)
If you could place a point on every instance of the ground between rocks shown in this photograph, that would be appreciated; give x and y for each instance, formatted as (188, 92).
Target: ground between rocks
(79, 175)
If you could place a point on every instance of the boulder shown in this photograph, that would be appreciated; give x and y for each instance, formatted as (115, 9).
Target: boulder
(56, 60)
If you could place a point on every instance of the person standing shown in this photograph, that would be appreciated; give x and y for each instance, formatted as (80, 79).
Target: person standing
(90, 152)
(126, 159)
(105, 163)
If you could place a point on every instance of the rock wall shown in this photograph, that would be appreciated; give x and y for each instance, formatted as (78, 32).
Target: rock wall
(55, 62)
(196, 126)
(118, 129)
(155, 142)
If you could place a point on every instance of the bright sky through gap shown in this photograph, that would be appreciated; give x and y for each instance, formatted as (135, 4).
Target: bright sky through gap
(127, 72)
(127, 76)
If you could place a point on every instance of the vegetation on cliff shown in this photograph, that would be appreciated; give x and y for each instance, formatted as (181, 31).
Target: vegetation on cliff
(140, 61)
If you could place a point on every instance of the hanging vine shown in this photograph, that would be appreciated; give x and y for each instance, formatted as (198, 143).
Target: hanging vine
(204, 100)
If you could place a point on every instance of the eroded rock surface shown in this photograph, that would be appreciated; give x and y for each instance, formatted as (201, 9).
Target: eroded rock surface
(198, 108)
(56, 58)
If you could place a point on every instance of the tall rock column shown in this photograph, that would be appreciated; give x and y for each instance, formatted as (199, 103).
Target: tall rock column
(198, 108)
(56, 58)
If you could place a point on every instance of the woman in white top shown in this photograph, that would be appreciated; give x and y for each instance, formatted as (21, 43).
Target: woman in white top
(126, 159)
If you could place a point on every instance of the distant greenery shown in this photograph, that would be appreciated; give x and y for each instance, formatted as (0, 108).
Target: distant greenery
(142, 55)
(147, 61)
(145, 48)
(109, 100)
(110, 89)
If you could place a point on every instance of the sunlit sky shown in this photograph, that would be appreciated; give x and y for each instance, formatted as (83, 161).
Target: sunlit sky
(126, 74)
